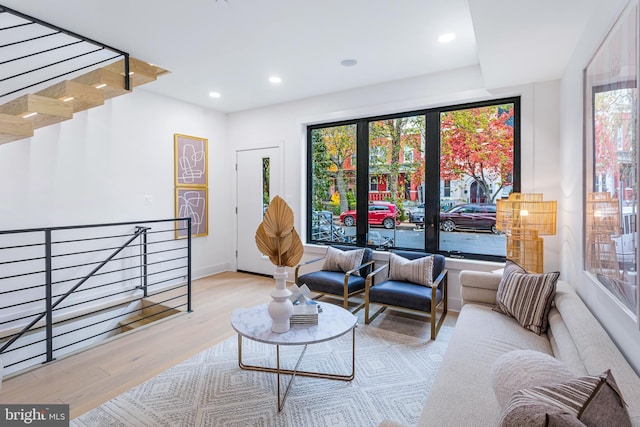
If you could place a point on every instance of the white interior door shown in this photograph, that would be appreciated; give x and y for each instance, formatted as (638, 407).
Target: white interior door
(259, 173)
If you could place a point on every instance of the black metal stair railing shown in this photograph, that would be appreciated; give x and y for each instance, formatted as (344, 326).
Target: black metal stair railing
(63, 288)
(34, 52)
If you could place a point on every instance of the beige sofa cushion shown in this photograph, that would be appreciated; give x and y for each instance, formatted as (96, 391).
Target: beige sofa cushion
(596, 349)
(562, 344)
(479, 287)
(461, 393)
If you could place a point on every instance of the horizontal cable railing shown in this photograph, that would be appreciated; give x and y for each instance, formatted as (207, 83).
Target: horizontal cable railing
(65, 288)
(33, 52)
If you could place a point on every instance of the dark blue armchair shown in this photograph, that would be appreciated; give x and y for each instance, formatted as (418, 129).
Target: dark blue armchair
(343, 284)
(380, 290)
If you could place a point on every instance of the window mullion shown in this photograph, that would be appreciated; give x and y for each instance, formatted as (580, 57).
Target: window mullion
(362, 182)
(432, 180)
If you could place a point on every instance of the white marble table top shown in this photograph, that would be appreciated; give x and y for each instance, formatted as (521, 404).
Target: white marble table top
(254, 323)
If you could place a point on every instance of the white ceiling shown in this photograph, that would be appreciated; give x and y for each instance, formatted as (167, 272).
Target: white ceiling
(233, 46)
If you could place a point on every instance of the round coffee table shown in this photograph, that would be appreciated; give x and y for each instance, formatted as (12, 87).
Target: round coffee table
(255, 324)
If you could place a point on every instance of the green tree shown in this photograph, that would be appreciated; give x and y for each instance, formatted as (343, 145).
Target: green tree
(394, 135)
(340, 146)
(321, 176)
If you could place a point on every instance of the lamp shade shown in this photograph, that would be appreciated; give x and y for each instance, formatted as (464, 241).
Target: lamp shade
(523, 218)
(603, 214)
(528, 211)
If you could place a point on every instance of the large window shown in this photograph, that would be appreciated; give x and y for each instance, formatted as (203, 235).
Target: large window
(429, 179)
(611, 187)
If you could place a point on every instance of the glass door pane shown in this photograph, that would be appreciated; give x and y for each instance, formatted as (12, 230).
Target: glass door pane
(266, 173)
(396, 183)
(476, 168)
(333, 188)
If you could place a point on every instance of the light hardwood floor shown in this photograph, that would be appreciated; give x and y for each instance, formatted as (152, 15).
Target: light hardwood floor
(92, 377)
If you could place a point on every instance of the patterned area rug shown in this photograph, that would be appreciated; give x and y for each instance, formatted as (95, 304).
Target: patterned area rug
(394, 372)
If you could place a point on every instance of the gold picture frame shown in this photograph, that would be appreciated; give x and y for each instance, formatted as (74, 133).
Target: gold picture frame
(191, 158)
(192, 202)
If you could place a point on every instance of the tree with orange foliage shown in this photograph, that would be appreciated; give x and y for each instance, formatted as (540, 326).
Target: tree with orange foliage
(478, 143)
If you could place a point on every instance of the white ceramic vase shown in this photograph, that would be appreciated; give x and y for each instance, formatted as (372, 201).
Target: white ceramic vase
(281, 307)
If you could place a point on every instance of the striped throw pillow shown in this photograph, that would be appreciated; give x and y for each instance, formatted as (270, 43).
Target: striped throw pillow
(418, 270)
(593, 400)
(526, 297)
(338, 260)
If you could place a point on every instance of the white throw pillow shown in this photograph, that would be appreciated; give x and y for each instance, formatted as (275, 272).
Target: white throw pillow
(418, 270)
(338, 260)
(520, 369)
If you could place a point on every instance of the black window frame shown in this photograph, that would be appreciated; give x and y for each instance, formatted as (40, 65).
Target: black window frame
(432, 171)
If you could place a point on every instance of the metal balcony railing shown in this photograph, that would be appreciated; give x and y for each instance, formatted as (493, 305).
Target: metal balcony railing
(65, 288)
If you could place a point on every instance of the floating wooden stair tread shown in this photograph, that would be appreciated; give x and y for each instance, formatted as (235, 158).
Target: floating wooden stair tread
(80, 96)
(140, 72)
(111, 84)
(13, 128)
(40, 110)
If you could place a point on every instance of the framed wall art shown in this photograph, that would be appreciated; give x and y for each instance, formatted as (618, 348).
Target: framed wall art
(191, 203)
(190, 154)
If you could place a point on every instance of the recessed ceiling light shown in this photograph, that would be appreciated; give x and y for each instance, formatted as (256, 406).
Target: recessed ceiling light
(447, 37)
(215, 94)
(348, 62)
(275, 80)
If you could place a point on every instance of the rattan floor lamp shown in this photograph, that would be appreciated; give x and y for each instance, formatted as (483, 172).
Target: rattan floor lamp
(524, 218)
(603, 224)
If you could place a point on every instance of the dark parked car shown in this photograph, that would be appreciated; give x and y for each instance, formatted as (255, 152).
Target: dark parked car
(380, 213)
(470, 216)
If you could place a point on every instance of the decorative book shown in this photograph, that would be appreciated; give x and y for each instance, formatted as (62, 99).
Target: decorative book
(305, 314)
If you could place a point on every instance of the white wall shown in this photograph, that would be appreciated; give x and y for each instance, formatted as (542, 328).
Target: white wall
(621, 327)
(99, 166)
(285, 124)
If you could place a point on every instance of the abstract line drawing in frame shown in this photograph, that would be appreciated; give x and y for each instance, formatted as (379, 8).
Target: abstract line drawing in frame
(192, 203)
(191, 157)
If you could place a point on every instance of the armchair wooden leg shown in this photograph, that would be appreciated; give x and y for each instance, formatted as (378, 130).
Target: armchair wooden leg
(368, 319)
(435, 323)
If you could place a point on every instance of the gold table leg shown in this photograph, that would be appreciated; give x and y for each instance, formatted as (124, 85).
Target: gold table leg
(293, 372)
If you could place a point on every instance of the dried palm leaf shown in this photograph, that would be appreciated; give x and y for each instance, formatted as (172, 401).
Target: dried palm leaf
(265, 244)
(276, 237)
(278, 219)
(284, 243)
(293, 256)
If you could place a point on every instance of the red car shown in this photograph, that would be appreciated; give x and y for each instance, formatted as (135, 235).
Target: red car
(380, 213)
